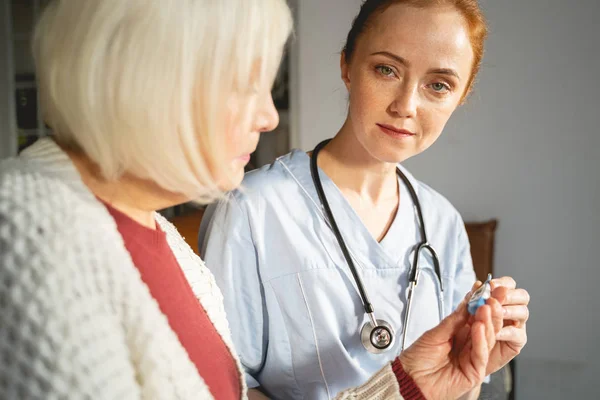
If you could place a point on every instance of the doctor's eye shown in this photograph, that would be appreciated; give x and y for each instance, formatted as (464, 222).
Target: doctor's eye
(385, 70)
(440, 87)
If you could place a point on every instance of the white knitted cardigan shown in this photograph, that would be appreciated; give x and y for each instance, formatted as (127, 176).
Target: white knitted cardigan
(76, 320)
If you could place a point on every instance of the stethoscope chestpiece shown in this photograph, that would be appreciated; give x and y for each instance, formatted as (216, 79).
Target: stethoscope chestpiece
(377, 339)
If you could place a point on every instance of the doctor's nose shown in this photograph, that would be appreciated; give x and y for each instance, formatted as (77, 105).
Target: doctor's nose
(406, 102)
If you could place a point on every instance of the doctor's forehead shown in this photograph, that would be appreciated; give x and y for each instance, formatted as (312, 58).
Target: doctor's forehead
(437, 36)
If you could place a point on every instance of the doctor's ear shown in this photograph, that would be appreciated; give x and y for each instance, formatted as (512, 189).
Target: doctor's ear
(345, 69)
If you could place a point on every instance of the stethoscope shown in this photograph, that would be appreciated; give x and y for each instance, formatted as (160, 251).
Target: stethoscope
(377, 335)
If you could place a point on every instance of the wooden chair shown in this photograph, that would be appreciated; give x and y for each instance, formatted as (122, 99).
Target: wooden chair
(482, 239)
(188, 225)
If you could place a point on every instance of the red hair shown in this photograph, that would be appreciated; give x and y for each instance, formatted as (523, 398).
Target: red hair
(470, 10)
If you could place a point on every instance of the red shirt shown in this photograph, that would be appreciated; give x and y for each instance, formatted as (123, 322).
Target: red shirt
(160, 270)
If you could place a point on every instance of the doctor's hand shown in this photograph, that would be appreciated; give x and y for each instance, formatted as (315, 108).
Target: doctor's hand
(452, 358)
(513, 334)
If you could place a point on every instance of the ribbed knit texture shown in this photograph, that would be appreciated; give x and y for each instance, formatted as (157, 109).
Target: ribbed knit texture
(408, 387)
(153, 257)
(76, 320)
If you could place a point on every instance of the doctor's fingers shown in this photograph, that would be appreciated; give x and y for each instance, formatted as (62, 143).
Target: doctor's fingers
(505, 281)
(511, 296)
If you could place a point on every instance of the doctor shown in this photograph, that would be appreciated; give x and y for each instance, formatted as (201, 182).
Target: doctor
(302, 258)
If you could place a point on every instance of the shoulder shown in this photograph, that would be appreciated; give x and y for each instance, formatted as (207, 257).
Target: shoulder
(40, 205)
(277, 178)
(34, 202)
(49, 226)
(269, 187)
(55, 269)
(265, 194)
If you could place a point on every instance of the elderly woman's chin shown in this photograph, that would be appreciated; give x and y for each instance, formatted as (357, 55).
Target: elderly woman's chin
(234, 177)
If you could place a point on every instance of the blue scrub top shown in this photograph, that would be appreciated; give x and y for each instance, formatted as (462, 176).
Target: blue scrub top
(293, 308)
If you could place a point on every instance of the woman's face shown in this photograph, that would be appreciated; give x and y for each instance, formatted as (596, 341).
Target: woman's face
(406, 77)
(243, 128)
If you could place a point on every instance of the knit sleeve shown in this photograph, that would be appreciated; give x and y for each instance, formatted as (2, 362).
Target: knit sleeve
(391, 382)
(57, 339)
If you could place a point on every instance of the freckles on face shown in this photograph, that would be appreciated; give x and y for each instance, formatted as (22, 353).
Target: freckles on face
(409, 72)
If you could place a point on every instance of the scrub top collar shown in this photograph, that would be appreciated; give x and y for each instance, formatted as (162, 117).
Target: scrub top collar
(365, 250)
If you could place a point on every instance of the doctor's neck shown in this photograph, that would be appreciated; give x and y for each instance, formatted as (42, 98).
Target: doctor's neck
(353, 169)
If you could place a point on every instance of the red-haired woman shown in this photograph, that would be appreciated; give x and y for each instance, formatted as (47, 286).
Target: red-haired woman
(326, 247)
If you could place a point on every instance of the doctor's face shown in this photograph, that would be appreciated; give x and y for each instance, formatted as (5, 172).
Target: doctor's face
(407, 75)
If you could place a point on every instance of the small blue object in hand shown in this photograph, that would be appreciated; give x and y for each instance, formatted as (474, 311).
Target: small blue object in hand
(480, 296)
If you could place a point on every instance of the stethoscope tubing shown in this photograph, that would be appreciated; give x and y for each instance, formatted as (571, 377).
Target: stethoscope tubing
(415, 270)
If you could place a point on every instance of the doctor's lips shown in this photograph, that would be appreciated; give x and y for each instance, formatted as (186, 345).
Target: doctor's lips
(395, 132)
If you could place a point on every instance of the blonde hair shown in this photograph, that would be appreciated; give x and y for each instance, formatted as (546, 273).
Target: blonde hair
(141, 86)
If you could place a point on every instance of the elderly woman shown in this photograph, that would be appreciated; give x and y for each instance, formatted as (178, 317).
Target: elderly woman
(153, 104)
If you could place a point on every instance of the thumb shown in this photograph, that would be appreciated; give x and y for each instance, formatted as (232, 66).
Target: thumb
(450, 325)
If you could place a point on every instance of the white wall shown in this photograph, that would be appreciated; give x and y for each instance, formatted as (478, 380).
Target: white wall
(321, 98)
(524, 150)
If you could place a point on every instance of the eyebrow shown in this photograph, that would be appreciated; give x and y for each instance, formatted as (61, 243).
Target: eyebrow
(403, 61)
(393, 56)
(444, 71)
